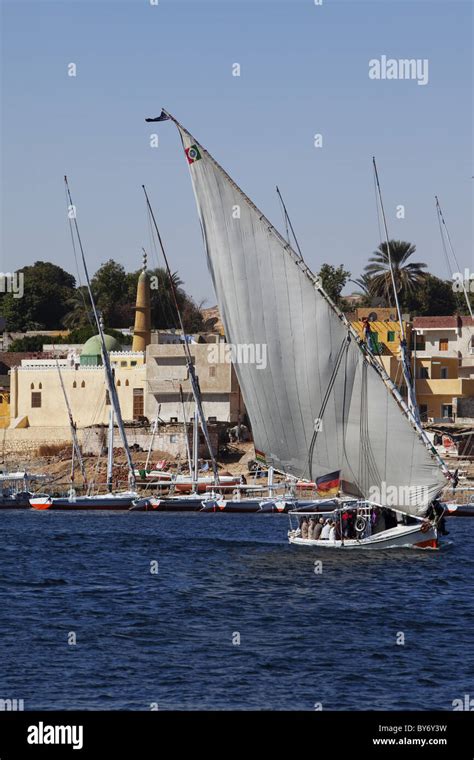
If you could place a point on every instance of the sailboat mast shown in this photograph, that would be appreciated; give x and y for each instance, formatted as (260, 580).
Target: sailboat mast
(76, 449)
(105, 356)
(153, 433)
(442, 224)
(195, 449)
(190, 366)
(110, 451)
(188, 450)
(413, 406)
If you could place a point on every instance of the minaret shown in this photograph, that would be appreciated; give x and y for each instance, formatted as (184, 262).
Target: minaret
(142, 329)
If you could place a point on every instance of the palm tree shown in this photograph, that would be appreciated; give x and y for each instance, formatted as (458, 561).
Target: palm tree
(79, 308)
(407, 276)
(364, 283)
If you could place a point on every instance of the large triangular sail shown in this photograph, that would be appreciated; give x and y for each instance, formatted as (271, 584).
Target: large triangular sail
(316, 404)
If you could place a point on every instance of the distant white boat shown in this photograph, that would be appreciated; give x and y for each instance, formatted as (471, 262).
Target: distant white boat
(122, 500)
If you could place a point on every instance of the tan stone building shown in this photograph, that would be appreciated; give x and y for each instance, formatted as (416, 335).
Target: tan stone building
(166, 370)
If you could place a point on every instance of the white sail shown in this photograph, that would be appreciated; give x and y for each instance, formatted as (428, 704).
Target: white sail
(317, 406)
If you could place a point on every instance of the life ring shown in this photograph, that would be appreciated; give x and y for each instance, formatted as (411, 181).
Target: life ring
(425, 526)
(360, 524)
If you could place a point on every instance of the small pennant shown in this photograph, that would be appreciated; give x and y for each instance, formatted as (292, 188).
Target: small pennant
(162, 117)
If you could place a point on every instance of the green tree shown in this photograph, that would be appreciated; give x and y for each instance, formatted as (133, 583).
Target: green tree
(408, 275)
(460, 298)
(333, 280)
(109, 287)
(433, 297)
(30, 343)
(47, 290)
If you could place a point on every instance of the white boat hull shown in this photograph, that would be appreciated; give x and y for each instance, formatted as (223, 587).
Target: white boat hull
(401, 537)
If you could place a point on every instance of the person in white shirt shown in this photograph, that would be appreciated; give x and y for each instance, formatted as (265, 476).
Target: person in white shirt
(325, 531)
(332, 532)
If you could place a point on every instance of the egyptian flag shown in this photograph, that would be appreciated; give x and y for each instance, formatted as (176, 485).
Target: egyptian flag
(328, 485)
(260, 457)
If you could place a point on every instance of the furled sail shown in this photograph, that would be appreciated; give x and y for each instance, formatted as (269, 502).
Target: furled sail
(316, 405)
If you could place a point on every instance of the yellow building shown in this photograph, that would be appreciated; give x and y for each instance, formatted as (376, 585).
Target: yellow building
(4, 409)
(440, 351)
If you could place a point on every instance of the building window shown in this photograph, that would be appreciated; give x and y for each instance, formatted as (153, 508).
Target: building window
(126, 382)
(424, 412)
(173, 438)
(212, 371)
(133, 363)
(390, 336)
(74, 385)
(107, 398)
(83, 384)
(32, 386)
(443, 373)
(424, 373)
(443, 344)
(36, 400)
(123, 364)
(446, 410)
(40, 386)
(118, 383)
(137, 403)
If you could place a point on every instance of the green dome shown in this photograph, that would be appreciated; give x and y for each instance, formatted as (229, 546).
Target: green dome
(92, 346)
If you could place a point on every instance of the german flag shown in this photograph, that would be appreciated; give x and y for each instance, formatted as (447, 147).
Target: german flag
(328, 485)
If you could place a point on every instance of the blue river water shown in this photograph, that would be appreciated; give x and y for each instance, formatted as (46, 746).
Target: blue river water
(234, 617)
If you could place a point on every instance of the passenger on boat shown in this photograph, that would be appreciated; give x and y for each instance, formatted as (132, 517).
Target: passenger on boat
(311, 527)
(318, 528)
(378, 525)
(332, 531)
(348, 523)
(436, 512)
(304, 527)
(325, 531)
(390, 518)
(369, 336)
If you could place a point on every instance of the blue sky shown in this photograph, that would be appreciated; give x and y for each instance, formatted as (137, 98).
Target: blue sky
(304, 70)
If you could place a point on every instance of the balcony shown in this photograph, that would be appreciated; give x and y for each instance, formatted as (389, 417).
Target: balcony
(460, 386)
(435, 353)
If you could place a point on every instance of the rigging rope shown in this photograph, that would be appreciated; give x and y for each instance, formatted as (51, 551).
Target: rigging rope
(332, 380)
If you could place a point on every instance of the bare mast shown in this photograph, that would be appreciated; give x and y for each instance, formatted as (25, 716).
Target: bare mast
(443, 225)
(76, 449)
(189, 364)
(105, 356)
(412, 404)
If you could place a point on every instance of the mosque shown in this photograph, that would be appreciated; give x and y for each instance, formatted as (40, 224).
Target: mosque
(148, 378)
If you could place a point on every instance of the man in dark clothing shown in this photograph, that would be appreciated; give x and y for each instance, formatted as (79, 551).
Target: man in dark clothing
(436, 513)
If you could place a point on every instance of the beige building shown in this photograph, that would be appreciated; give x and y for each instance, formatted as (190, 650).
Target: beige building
(37, 398)
(443, 364)
(166, 371)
